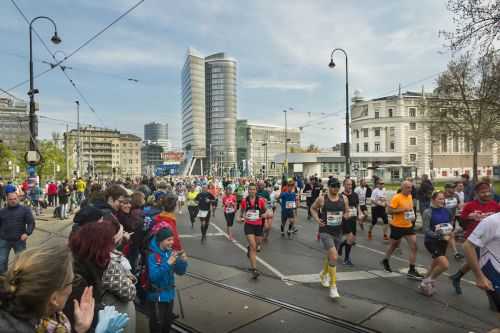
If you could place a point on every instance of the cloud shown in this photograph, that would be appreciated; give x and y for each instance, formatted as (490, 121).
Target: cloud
(125, 56)
(277, 84)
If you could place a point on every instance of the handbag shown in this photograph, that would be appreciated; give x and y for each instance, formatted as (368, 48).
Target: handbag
(116, 281)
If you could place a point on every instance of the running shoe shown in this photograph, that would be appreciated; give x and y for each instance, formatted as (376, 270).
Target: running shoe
(334, 293)
(370, 237)
(324, 279)
(455, 281)
(282, 230)
(414, 274)
(426, 288)
(255, 273)
(386, 265)
(259, 248)
(459, 256)
(386, 238)
(295, 230)
(348, 262)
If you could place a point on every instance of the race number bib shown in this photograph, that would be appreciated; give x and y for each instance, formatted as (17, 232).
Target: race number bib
(410, 215)
(290, 205)
(450, 203)
(202, 213)
(308, 194)
(353, 212)
(444, 230)
(229, 210)
(252, 215)
(333, 219)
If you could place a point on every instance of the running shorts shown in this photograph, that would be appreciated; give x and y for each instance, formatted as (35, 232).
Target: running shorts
(329, 241)
(364, 209)
(254, 229)
(436, 247)
(349, 226)
(379, 212)
(398, 233)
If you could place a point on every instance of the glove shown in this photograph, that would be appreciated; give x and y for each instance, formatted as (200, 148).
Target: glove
(111, 321)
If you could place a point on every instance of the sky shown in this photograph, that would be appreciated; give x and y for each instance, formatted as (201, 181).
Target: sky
(282, 47)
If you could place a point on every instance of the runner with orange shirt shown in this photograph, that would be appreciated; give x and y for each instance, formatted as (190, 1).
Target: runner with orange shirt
(401, 208)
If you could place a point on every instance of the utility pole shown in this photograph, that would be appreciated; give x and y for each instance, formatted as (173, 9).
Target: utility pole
(78, 145)
(286, 147)
(66, 151)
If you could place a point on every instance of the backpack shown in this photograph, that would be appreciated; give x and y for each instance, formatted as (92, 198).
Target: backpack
(143, 279)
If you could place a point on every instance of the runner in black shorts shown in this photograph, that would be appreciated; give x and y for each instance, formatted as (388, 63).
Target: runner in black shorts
(349, 224)
(252, 210)
(378, 199)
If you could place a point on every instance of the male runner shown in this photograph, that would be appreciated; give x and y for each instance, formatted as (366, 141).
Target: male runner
(379, 203)
(349, 224)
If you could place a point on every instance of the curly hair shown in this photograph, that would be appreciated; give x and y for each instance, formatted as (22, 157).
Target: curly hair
(94, 242)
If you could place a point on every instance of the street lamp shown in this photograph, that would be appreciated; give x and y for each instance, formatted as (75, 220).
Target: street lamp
(31, 93)
(285, 171)
(347, 140)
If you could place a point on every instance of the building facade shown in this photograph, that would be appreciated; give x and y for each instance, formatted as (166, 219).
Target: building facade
(151, 157)
(258, 145)
(209, 109)
(397, 129)
(157, 134)
(14, 124)
(104, 153)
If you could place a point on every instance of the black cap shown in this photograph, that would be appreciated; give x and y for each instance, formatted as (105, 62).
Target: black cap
(333, 182)
(87, 214)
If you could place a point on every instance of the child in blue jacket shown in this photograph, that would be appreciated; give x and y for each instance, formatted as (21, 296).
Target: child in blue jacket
(163, 262)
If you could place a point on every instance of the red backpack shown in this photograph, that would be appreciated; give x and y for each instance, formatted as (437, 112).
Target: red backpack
(144, 281)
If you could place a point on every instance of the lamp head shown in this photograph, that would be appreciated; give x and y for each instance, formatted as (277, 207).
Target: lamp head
(331, 64)
(55, 39)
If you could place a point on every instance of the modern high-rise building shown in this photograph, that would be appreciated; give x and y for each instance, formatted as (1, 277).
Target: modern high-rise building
(209, 108)
(157, 134)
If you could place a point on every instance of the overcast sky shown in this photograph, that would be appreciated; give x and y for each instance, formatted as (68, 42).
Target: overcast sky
(282, 47)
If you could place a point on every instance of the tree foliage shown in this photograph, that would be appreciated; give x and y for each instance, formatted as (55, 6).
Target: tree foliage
(467, 100)
(53, 156)
(477, 23)
(6, 155)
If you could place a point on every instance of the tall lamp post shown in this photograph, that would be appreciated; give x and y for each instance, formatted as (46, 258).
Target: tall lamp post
(285, 171)
(31, 93)
(347, 151)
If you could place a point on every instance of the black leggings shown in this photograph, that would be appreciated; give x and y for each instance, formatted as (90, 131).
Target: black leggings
(193, 211)
(160, 316)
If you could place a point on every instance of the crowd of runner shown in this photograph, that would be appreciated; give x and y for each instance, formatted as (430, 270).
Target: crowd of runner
(124, 248)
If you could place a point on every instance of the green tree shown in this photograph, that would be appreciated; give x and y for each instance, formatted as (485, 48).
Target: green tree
(6, 155)
(53, 157)
(468, 101)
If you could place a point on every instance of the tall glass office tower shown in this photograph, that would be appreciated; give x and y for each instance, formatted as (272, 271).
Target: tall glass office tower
(209, 108)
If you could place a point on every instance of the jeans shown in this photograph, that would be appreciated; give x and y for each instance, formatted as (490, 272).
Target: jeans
(64, 211)
(79, 197)
(5, 247)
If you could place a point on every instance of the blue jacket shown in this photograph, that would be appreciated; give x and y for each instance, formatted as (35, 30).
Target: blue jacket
(162, 275)
(15, 221)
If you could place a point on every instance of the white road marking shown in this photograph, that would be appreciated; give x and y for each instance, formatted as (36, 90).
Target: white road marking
(420, 267)
(210, 234)
(244, 249)
(344, 276)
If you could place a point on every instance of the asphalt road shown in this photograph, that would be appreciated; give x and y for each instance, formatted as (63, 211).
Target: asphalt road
(370, 297)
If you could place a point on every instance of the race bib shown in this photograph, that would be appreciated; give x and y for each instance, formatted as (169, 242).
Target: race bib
(410, 215)
(202, 213)
(302, 197)
(308, 194)
(252, 215)
(229, 210)
(290, 205)
(333, 219)
(353, 211)
(444, 229)
(450, 203)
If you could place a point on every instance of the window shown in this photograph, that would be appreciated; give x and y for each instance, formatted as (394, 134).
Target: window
(357, 147)
(412, 112)
(455, 143)
(392, 131)
(357, 134)
(444, 143)
(365, 132)
(392, 145)
(377, 146)
(413, 126)
(377, 114)
(413, 141)
(389, 113)
(413, 157)
(444, 173)
(365, 146)
(364, 111)
(377, 131)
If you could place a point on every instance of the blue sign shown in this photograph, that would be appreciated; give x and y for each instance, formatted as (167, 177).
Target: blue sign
(167, 170)
(31, 170)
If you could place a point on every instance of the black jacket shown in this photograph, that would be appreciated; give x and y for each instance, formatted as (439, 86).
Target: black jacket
(15, 221)
(13, 324)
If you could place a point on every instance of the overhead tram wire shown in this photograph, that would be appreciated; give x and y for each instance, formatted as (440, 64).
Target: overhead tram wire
(332, 114)
(78, 48)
